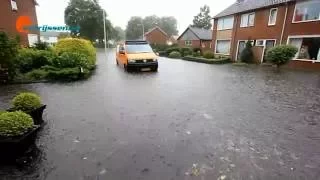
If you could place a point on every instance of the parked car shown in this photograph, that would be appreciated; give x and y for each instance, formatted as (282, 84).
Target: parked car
(136, 55)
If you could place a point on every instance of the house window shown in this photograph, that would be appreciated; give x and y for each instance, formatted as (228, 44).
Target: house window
(308, 47)
(260, 43)
(247, 20)
(273, 16)
(223, 46)
(225, 23)
(32, 39)
(14, 6)
(188, 43)
(307, 11)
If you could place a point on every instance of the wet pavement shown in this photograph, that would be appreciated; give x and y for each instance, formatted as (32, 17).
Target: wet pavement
(187, 121)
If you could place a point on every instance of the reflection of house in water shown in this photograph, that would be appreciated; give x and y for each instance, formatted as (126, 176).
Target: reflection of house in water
(269, 23)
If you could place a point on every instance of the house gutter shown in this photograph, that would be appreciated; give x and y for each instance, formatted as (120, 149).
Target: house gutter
(284, 23)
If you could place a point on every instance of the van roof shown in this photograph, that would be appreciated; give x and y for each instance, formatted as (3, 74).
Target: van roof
(136, 42)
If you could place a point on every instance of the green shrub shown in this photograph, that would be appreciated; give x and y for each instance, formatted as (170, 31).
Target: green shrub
(70, 60)
(196, 54)
(247, 53)
(280, 55)
(208, 55)
(49, 68)
(175, 54)
(185, 51)
(169, 50)
(79, 46)
(41, 45)
(29, 59)
(15, 123)
(8, 52)
(26, 102)
(67, 74)
(1, 112)
(36, 74)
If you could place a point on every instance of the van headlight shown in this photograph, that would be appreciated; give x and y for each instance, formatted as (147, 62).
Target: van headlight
(131, 60)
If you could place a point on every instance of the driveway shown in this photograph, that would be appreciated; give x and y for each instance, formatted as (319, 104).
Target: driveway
(187, 121)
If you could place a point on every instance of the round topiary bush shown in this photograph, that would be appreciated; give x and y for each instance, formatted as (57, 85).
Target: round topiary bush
(280, 55)
(208, 55)
(79, 46)
(71, 60)
(15, 123)
(247, 53)
(175, 54)
(26, 102)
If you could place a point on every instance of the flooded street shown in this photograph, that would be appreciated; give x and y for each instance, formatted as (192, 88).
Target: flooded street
(187, 121)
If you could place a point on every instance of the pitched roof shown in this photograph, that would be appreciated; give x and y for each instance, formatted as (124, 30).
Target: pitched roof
(202, 34)
(247, 5)
(157, 27)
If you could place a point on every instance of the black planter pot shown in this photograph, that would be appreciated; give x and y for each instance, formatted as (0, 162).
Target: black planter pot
(36, 114)
(15, 146)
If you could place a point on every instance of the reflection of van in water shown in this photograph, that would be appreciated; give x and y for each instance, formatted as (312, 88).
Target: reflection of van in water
(136, 55)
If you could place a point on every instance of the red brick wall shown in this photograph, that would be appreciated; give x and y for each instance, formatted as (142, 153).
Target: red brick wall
(206, 45)
(157, 37)
(8, 17)
(303, 65)
(304, 28)
(195, 43)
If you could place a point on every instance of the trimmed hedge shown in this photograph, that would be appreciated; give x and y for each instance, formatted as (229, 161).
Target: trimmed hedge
(67, 74)
(175, 55)
(208, 55)
(207, 61)
(15, 123)
(79, 46)
(26, 102)
(71, 60)
(280, 55)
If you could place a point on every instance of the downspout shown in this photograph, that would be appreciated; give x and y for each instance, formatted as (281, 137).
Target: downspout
(234, 29)
(284, 24)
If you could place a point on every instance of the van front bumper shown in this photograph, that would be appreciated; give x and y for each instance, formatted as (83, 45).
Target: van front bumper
(152, 65)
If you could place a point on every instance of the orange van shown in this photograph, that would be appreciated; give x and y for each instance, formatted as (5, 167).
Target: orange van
(136, 55)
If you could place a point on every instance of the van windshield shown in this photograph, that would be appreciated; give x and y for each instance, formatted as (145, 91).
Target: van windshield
(138, 48)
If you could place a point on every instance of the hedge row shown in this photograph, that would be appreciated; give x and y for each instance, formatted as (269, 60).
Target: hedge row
(207, 61)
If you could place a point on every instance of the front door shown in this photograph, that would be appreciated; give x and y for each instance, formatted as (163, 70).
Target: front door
(269, 44)
(241, 47)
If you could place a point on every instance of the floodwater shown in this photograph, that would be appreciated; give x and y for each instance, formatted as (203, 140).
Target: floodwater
(187, 121)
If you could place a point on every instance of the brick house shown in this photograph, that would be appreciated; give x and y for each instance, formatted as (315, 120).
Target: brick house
(196, 38)
(268, 23)
(10, 11)
(156, 36)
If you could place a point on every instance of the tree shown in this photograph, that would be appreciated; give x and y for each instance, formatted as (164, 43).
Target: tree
(169, 25)
(88, 15)
(150, 22)
(134, 28)
(119, 33)
(203, 19)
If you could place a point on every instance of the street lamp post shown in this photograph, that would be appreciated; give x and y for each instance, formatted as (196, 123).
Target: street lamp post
(104, 30)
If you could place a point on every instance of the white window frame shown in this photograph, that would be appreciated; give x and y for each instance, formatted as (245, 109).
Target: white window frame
(222, 19)
(259, 40)
(295, 10)
(188, 42)
(14, 6)
(215, 48)
(303, 36)
(276, 14)
(252, 43)
(248, 20)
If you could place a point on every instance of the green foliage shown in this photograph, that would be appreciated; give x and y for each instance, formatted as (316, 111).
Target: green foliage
(196, 54)
(37, 74)
(185, 51)
(134, 28)
(41, 46)
(79, 46)
(175, 54)
(160, 47)
(26, 102)
(67, 74)
(8, 52)
(203, 19)
(15, 123)
(70, 60)
(280, 55)
(1, 112)
(169, 50)
(88, 16)
(29, 59)
(208, 55)
(247, 54)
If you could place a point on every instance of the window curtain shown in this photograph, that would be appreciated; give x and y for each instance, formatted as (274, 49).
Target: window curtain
(296, 42)
(223, 47)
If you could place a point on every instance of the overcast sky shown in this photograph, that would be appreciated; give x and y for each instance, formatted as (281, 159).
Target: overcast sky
(51, 12)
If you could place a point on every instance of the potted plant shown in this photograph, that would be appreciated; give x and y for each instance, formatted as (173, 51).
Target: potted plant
(29, 103)
(17, 133)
